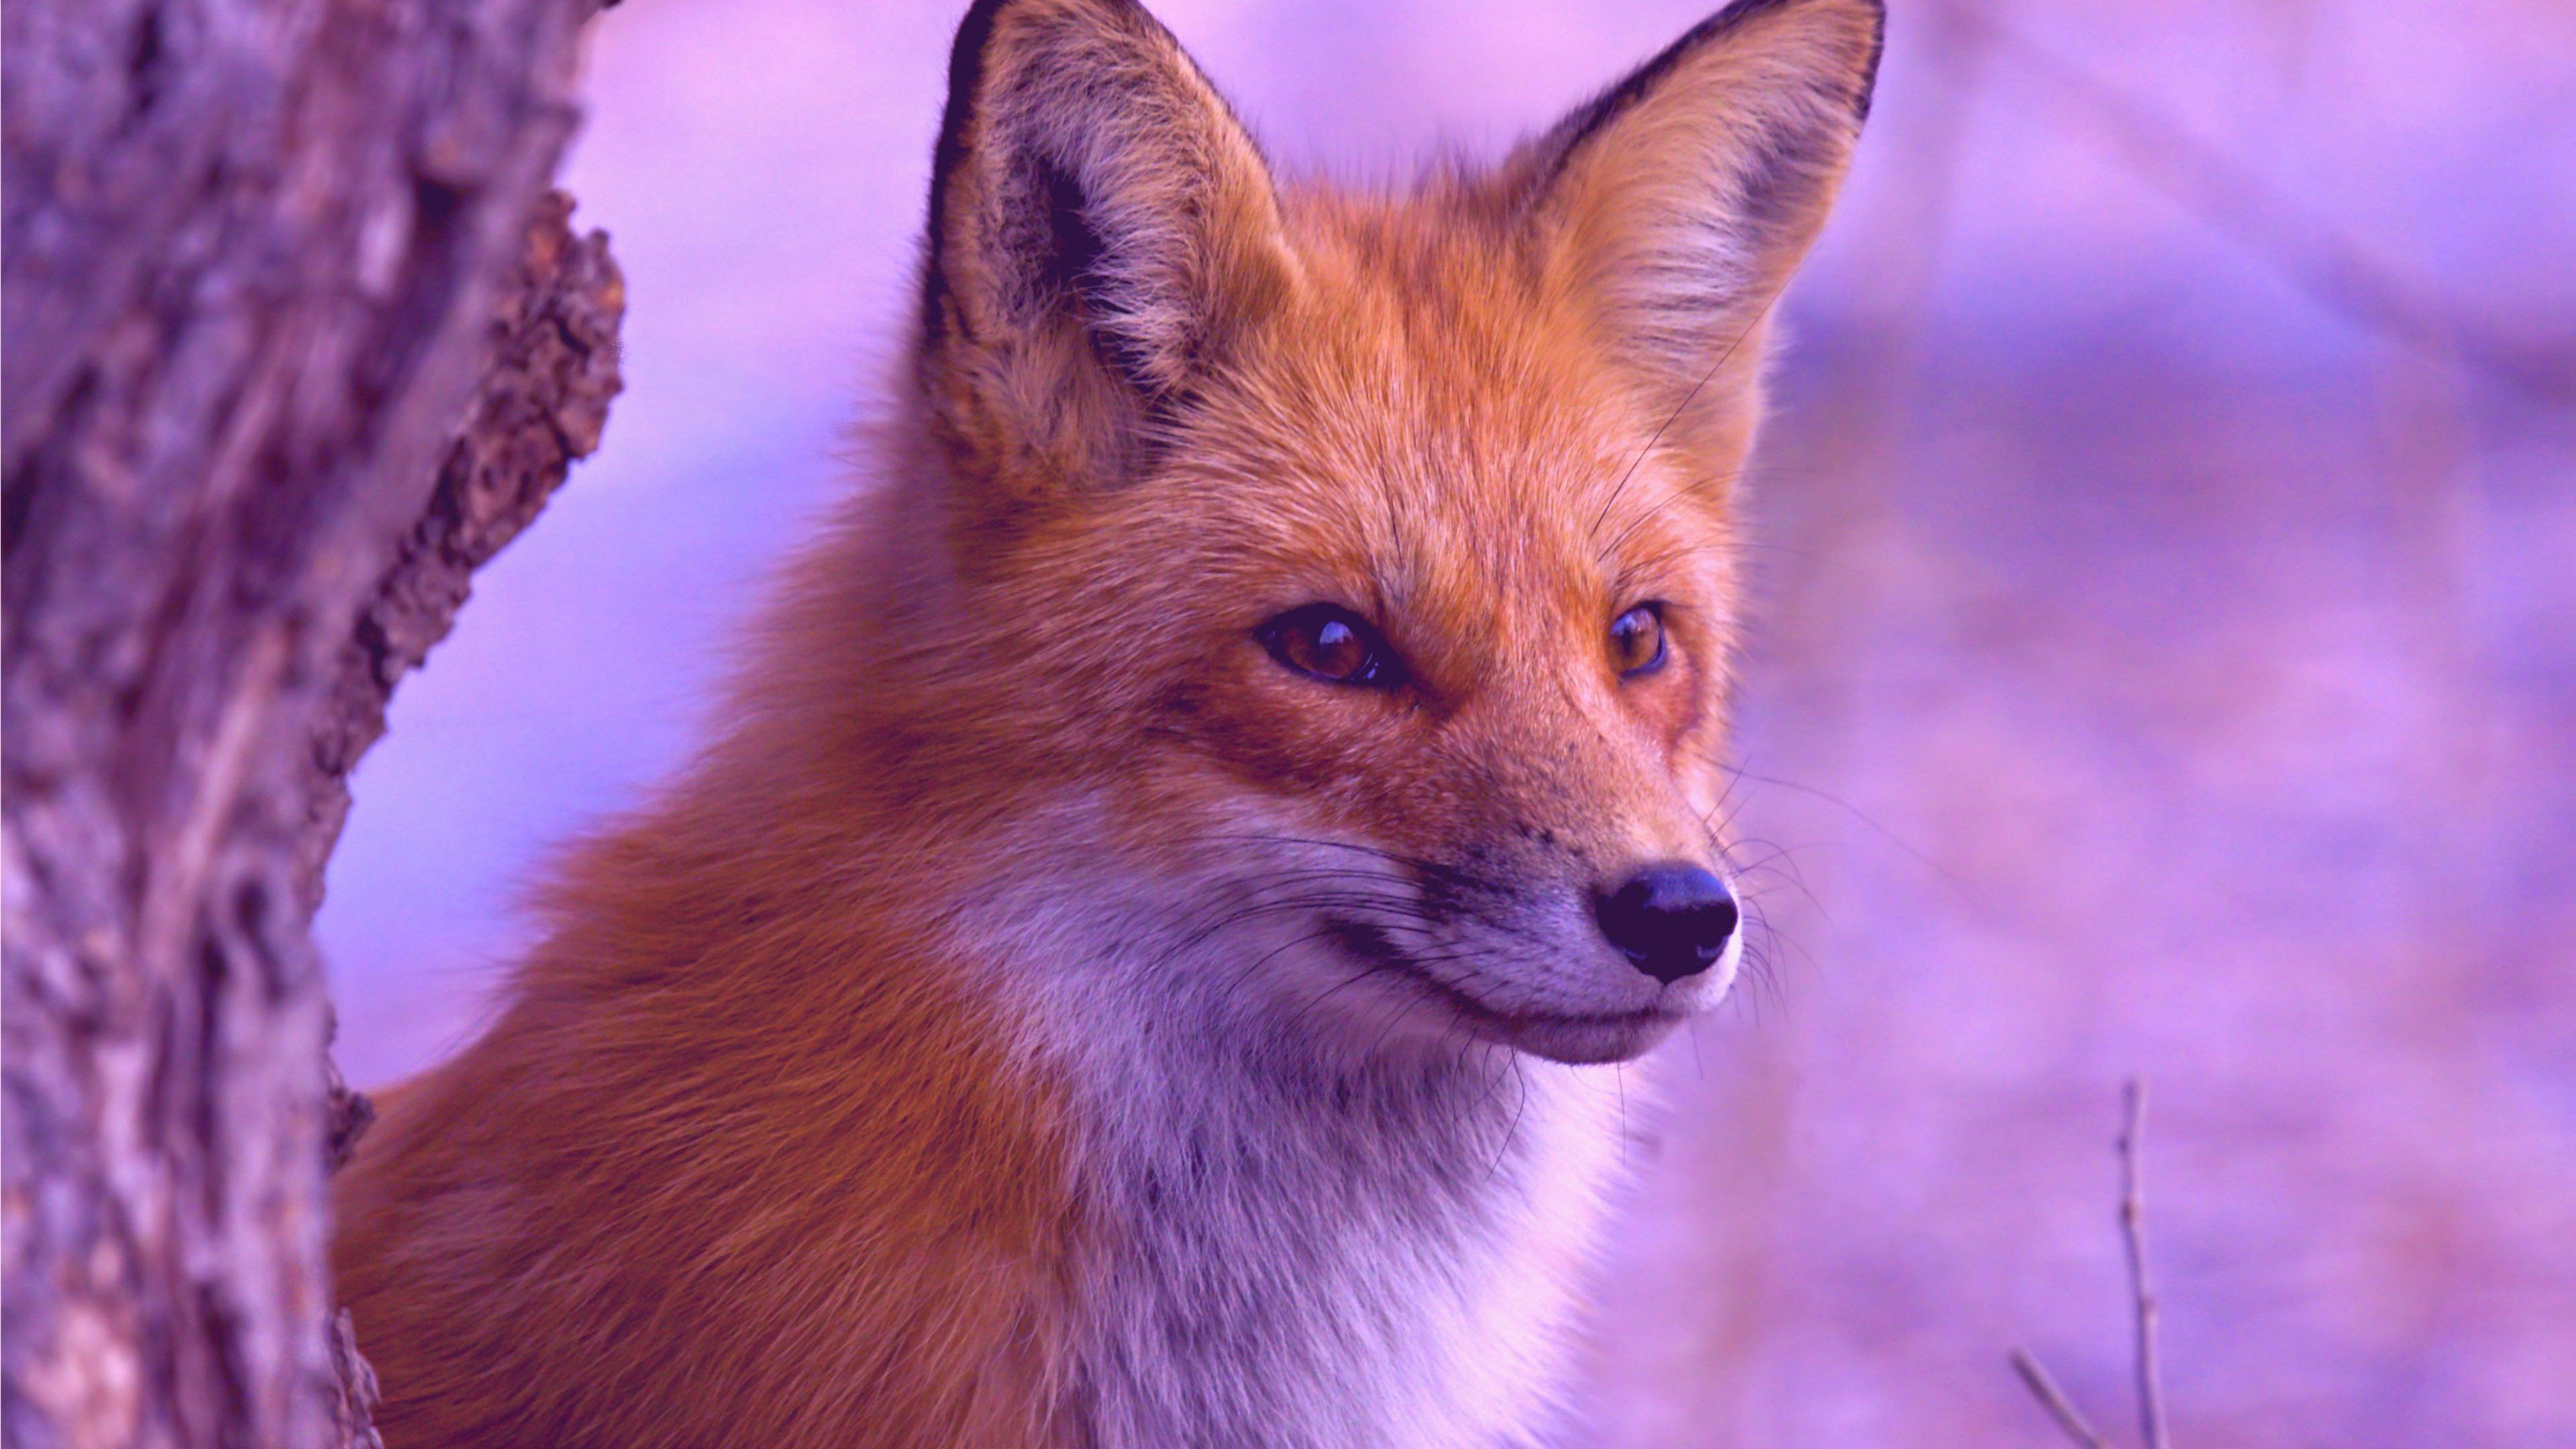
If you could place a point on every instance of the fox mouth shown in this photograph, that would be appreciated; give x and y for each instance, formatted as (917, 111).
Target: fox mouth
(1572, 1037)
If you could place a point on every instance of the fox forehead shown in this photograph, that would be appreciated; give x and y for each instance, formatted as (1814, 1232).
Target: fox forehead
(1425, 428)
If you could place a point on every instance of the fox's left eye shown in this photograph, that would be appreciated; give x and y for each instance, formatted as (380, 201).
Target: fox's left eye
(1330, 643)
(1637, 641)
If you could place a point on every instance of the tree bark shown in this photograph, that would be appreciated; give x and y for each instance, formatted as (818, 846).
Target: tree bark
(542, 404)
(254, 253)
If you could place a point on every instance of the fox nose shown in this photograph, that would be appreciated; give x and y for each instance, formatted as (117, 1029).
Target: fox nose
(1672, 919)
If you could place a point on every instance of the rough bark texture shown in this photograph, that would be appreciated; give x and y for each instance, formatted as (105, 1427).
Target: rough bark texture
(543, 404)
(253, 253)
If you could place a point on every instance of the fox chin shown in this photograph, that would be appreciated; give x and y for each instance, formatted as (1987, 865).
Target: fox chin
(1135, 964)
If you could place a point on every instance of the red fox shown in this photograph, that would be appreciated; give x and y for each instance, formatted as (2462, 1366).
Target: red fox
(1139, 964)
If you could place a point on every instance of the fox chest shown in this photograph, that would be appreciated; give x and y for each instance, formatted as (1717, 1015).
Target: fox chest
(1350, 1276)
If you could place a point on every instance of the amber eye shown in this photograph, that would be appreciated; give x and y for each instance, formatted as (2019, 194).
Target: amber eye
(1330, 643)
(1637, 641)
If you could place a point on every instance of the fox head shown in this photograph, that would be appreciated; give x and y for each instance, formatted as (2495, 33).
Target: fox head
(1359, 569)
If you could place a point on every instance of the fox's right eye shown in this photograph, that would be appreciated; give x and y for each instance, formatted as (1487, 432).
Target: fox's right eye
(1330, 643)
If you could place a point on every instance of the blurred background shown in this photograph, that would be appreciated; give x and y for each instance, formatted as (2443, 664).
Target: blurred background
(2167, 665)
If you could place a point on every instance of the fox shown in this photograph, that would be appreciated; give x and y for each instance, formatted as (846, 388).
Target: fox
(1143, 955)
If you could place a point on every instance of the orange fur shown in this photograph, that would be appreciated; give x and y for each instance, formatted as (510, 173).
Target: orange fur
(757, 1153)
(578, 1233)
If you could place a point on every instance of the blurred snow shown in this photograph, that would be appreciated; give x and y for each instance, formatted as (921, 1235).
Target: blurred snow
(2160, 673)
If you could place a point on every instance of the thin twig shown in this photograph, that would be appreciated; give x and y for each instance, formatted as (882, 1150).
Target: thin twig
(2133, 1212)
(2054, 1400)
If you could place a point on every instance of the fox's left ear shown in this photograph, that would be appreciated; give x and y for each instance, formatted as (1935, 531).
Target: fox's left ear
(1678, 203)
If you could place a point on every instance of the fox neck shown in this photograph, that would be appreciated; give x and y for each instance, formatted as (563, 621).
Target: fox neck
(1299, 1244)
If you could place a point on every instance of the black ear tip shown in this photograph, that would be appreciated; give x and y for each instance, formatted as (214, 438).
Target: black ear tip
(966, 69)
(974, 29)
(965, 75)
(1585, 120)
(1877, 53)
(1731, 17)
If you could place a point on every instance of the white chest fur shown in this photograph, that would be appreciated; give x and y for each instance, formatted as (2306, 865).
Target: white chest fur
(1291, 1250)
(1300, 1256)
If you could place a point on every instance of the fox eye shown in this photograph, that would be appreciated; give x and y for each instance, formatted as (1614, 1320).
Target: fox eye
(1330, 643)
(1637, 641)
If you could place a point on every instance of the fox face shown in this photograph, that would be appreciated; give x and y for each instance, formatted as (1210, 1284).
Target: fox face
(1418, 649)
(1367, 561)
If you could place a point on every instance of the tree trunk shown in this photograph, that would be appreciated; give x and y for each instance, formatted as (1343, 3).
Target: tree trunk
(260, 256)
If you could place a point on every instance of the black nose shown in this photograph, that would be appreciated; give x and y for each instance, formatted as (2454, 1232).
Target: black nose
(1671, 918)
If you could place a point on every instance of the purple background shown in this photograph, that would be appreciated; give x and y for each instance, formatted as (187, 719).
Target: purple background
(2161, 671)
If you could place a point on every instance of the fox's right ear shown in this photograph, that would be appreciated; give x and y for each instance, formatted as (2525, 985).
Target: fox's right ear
(1101, 226)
